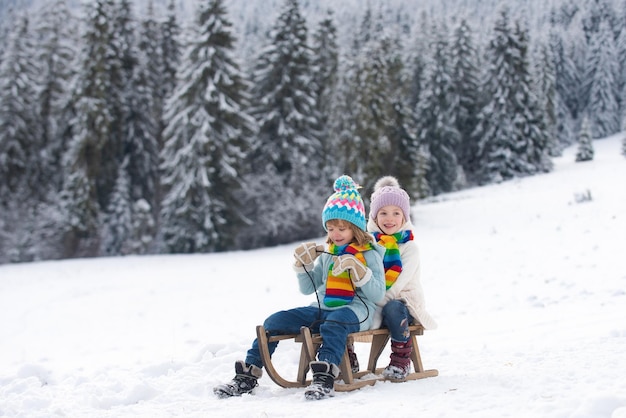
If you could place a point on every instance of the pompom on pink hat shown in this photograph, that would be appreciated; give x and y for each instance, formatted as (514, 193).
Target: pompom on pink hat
(387, 191)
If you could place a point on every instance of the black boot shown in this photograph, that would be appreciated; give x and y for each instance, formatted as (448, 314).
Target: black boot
(400, 364)
(245, 380)
(323, 385)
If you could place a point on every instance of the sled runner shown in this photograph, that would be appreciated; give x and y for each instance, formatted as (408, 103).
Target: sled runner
(347, 381)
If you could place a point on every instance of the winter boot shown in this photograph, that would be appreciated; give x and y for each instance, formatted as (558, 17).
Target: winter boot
(323, 385)
(354, 361)
(244, 381)
(400, 364)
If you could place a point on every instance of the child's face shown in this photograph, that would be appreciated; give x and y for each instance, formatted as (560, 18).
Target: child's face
(340, 233)
(390, 219)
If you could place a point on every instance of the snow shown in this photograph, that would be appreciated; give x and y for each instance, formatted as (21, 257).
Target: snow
(526, 279)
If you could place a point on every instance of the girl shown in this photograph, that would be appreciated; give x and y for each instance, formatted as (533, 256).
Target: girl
(390, 223)
(348, 279)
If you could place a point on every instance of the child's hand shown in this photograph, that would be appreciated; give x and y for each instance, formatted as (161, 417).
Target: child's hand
(355, 268)
(306, 253)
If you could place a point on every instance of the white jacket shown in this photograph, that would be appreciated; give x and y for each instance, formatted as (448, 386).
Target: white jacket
(407, 287)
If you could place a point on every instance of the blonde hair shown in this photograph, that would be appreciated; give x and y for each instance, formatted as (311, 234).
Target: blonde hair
(360, 237)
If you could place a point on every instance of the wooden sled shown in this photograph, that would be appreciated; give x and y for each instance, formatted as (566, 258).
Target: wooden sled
(347, 381)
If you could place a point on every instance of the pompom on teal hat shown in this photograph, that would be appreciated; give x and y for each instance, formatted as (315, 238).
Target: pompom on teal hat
(346, 203)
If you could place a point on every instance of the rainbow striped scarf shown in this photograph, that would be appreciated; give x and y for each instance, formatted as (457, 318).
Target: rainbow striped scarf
(339, 289)
(392, 260)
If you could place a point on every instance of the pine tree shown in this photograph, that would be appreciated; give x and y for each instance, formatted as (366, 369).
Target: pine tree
(348, 115)
(341, 124)
(85, 188)
(118, 216)
(207, 130)
(20, 133)
(436, 114)
(564, 119)
(585, 147)
(466, 81)
(620, 45)
(325, 78)
(416, 61)
(19, 142)
(603, 109)
(122, 60)
(170, 50)
(571, 85)
(594, 12)
(287, 148)
(532, 140)
(410, 162)
(376, 120)
(512, 132)
(141, 146)
(57, 50)
(376, 125)
(545, 91)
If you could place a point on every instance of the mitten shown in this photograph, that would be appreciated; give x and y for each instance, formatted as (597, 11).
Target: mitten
(306, 253)
(355, 268)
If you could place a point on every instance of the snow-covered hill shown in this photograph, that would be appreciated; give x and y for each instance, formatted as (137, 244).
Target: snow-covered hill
(526, 278)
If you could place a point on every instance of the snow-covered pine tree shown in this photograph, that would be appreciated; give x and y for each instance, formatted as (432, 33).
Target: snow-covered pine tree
(54, 49)
(118, 218)
(132, 132)
(603, 109)
(378, 116)
(170, 53)
(564, 120)
(85, 186)
(20, 131)
(286, 185)
(410, 163)
(381, 128)
(416, 57)
(544, 76)
(511, 129)
(347, 111)
(585, 146)
(495, 128)
(20, 141)
(205, 139)
(593, 13)
(466, 81)
(436, 114)
(120, 62)
(571, 74)
(532, 138)
(620, 45)
(325, 78)
(57, 51)
(141, 143)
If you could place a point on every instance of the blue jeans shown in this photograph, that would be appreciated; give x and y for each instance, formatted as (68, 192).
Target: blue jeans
(334, 326)
(396, 318)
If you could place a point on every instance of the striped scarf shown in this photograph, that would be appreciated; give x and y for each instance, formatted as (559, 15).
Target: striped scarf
(339, 289)
(392, 260)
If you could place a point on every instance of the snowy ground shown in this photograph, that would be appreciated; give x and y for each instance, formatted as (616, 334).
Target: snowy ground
(527, 283)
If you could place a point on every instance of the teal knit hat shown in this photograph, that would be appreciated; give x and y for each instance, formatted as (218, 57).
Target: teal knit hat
(346, 203)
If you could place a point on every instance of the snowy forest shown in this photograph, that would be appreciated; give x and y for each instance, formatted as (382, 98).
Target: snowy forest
(145, 127)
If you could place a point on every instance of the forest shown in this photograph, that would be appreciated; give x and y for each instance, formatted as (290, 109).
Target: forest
(157, 127)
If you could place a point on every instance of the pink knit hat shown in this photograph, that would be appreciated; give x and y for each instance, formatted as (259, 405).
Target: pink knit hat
(387, 192)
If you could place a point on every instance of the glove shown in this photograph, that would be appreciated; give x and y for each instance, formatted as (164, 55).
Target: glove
(355, 268)
(306, 253)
